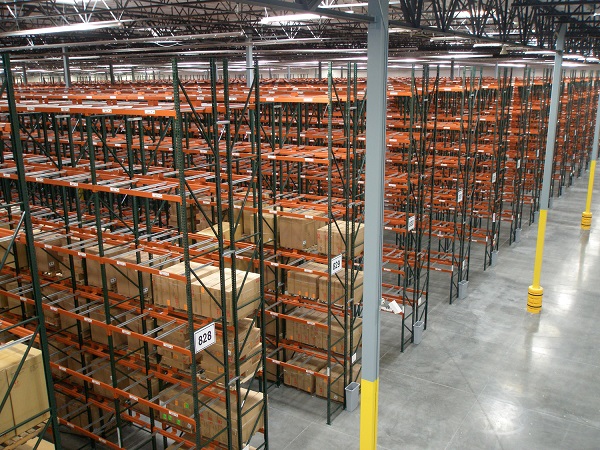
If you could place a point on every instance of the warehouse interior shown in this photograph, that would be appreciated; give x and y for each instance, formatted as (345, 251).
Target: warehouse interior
(308, 224)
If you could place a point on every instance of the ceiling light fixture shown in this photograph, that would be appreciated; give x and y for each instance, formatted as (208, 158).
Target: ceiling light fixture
(85, 26)
(291, 18)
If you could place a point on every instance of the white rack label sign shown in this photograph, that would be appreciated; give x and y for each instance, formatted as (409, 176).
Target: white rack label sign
(460, 195)
(411, 223)
(494, 177)
(204, 337)
(336, 264)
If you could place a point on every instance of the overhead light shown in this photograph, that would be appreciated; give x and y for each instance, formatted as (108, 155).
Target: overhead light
(447, 38)
(575, 57)
(487, 44)
(287, 19)
(85, 26)
(401, 30)
(539, 52)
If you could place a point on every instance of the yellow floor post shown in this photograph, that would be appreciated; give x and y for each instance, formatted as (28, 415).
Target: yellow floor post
(368, 414)
(535, 291)
(586, 216)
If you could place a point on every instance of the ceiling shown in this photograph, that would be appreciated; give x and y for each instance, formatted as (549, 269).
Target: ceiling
(151, 32)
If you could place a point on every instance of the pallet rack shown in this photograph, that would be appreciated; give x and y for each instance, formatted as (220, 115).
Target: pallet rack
(314, 173)
(106, 188)
(23, 324)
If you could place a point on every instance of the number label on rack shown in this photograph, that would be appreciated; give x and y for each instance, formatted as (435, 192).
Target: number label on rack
(336, 264)
(411, 223)
(204, 337)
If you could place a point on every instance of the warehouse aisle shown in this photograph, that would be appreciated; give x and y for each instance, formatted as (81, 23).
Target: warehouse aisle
(487, 374)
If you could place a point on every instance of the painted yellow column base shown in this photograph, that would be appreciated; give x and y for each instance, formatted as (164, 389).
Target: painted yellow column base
(534, 299)
(586, 220)
(369, 394)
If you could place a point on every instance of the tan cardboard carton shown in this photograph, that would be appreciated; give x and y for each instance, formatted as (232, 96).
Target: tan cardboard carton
(337, 382)
(338, 288)
(28, 395)
(305, 283)
(299, 233)
(338, 237)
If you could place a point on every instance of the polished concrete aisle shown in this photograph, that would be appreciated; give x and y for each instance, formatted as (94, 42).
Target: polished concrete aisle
(487, 375)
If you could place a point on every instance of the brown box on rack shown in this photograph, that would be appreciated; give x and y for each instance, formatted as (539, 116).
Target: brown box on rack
(338, 288)
(247, 293)
(268, 226)
(337, 382)
(28, 395)
(37, 444)
(7, 358)
(99, 334)
(299, 232)
(303, 377)
(17, 247)
(338, 237)
(305, 283)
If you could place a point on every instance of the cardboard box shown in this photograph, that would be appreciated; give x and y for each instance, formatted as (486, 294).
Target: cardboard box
(299, 233)
(305, 284)
(303, 377)
(268, 226)
(99, 334)
(337, 382)
(28, 395)
(17, 248)
(338, 237)
(7, 420)
(36, 443)
(247, 296)
(338, 288)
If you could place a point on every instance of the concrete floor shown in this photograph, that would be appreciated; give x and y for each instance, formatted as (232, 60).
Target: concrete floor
(487, 375)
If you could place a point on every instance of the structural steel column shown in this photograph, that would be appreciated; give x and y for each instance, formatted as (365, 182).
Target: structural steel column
(111, 72)
(289, 72)
(320, 71)
(24, 75)
(377, 59)
(586, 216)
(132, 73)
(249, 64)
(452, 69)
(535, 291)
(66, 69)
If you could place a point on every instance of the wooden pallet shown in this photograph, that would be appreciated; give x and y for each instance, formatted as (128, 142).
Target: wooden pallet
(22, 438)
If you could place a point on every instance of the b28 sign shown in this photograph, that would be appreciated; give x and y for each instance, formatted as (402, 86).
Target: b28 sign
(204, 337)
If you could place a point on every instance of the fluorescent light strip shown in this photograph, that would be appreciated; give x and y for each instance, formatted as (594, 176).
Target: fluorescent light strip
(86, 26)
(291, 18)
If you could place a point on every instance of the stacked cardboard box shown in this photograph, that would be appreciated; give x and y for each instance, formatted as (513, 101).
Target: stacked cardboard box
(247, 298)
(169, 292)
(14, 304)
(268, 226)
(212, 418)
(338, 237)
(50, 261)
(339, 284)
(37, 444)
(304, 377)
(211, 361)
(18, 248)
(337, 382)
(305, 283)
(309, 334)
(99, 334)
(299, 232)
(28, 396)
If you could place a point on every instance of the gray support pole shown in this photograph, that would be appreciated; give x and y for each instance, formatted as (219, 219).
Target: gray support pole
(452, 69)
(66, 69)
(535, 291)
(249, 64)
(320, 71)
(24, 75)
(132, 74)
(111, 72)
(377, 60)
(289, 73)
